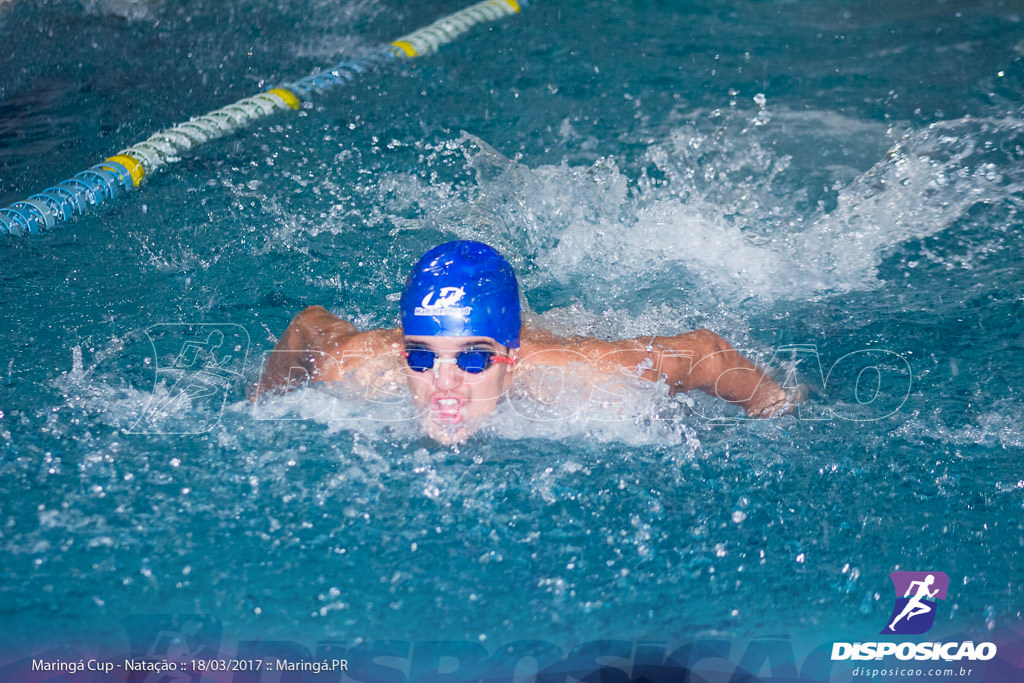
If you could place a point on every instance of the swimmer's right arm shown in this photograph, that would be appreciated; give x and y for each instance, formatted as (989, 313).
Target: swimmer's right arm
(318, 346)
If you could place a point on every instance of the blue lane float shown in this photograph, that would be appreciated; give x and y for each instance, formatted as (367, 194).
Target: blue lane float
(127, 169)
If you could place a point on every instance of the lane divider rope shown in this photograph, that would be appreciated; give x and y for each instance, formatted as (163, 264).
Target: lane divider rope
(126, 170)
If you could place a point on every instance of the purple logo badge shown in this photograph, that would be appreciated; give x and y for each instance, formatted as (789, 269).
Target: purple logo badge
(917, 594)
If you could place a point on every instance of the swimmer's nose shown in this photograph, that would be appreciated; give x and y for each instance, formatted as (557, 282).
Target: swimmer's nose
(447, 375)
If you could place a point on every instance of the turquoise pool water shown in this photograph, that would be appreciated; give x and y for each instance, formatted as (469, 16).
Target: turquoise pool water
(837, 188)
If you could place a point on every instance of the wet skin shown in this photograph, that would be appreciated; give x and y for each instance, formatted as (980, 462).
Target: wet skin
(319, 346)
(452, 400)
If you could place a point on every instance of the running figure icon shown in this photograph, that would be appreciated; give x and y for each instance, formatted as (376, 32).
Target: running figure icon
(917, 595)
(915, 606)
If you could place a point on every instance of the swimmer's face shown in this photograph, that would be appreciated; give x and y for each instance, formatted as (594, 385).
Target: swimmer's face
(454, 401)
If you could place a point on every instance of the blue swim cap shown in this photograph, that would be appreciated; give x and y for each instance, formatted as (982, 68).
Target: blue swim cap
(462, 289)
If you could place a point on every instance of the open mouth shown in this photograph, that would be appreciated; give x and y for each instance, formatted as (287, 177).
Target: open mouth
(447, 409)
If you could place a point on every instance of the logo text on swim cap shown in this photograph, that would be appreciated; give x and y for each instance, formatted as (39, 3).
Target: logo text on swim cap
(443, 302)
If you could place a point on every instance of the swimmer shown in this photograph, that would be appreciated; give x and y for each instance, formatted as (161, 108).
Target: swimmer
(462, 345)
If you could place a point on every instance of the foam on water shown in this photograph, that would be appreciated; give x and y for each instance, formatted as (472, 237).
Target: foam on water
(717, 215)
(722, 225)
(624, 411)
(1000, 428)
(134, 10)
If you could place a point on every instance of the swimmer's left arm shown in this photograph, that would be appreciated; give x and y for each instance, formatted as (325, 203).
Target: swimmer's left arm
(695, 360)
(704, 360)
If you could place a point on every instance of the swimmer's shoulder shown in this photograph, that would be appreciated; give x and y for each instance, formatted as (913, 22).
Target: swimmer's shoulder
(537, 346)
(675, 355)
(345, 351)
(541, 347)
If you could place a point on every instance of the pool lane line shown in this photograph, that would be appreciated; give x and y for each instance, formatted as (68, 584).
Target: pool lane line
(126, 170)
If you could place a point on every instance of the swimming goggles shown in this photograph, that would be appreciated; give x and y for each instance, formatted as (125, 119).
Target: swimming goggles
(473, 361)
